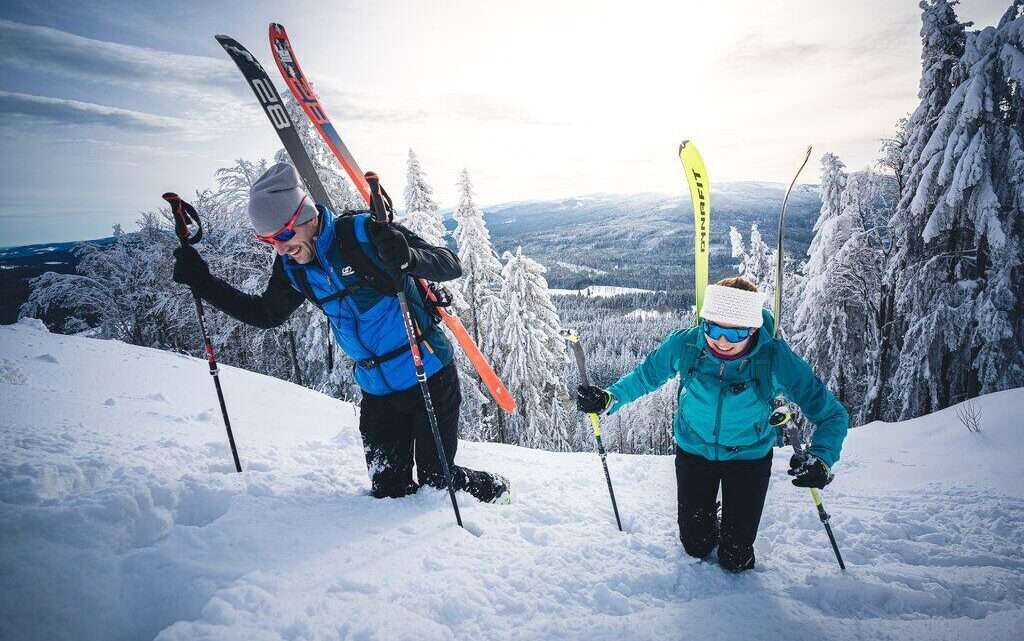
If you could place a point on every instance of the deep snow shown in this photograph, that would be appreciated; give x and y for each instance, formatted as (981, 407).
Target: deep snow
(122, 518)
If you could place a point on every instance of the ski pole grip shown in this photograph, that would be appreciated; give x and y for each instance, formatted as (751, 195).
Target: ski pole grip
(377, 208)
(183, 214)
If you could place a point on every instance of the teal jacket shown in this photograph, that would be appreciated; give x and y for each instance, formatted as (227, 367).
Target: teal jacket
(723, 412)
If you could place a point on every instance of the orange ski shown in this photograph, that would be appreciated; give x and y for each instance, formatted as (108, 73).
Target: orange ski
(287, 64)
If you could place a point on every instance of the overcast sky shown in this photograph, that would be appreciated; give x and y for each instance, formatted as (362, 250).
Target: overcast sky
(108, 104)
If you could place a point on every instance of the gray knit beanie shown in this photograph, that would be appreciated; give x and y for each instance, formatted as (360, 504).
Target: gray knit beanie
(275, 196)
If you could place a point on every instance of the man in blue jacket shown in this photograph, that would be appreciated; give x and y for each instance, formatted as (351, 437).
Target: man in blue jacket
(351, 268)
(730, 369)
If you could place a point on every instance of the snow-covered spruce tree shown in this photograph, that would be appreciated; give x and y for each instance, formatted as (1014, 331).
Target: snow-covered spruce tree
(854, 283)
(943, 39)
(491, 313)
(958, 296)
(481, 269)
(423, 218)
(837, 320)
(117, 289)
(893, 156)
(756, 264)
(820, 318)
(535, 358)
(476, 292)
(421, 212)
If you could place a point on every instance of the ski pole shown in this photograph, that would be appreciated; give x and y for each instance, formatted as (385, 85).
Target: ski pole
(183, 214)
(577, 349)
(782, 418)
(380, 205)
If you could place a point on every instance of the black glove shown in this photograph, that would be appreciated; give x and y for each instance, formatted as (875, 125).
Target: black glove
(592, 399)
(392, 246)
(809, 471)
(189, 267)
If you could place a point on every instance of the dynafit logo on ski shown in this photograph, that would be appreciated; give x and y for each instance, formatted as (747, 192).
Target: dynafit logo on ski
(702, 227)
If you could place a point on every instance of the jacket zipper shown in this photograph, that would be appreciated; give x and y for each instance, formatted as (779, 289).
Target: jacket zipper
(355, 312)
(718, 410)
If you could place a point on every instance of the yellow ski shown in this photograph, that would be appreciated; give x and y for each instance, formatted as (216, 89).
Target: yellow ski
(700, 194)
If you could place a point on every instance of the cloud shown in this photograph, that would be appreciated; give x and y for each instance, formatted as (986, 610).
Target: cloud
(74, 112)
(51, 50)
(755, 51)
(461, 107)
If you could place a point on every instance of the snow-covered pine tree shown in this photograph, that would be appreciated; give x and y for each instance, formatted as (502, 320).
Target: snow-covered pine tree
(943, 39)
(481, 269)
(854, 283)
(535, 358)
(820, 319)
(958, 296)
(894, 154)
(476, 293)
(756, 264)
(421, 214)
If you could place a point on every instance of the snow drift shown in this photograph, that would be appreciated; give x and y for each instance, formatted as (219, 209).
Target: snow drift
(123, 519)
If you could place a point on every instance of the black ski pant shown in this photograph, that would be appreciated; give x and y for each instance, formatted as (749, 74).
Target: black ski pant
(396, 433)
(744, 485)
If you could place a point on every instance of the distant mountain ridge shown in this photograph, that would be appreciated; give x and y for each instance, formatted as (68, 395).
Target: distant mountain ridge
(642, 240)
(646, 240)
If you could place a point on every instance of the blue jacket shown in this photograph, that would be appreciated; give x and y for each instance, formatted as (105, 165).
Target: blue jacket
(722, 414)
(366, 323)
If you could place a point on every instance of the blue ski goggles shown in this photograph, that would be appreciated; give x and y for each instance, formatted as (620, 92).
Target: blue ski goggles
(731, 334)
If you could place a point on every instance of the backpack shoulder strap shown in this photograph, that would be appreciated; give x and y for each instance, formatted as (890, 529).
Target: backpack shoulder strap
(761, 370)
(302, 280)
(688, 360)
(354, 255)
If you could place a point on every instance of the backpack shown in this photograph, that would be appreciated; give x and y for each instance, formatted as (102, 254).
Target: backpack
(371, 275)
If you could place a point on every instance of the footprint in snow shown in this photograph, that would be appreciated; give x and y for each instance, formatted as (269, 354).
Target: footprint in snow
(11, 373)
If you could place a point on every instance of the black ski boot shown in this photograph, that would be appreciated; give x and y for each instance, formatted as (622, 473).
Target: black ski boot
(485, 487)
(736, 558)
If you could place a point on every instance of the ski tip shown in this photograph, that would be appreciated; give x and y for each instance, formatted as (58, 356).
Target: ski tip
(276, 27)
(221, 38)
(683, 144)
(170, 196)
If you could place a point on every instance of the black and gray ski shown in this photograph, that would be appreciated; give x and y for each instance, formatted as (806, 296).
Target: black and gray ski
(273, 106)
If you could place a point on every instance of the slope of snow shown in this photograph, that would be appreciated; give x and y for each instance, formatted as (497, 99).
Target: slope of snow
(123, 519)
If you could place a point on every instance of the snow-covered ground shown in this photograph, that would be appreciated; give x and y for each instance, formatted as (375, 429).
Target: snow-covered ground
(601, 291)
(645, 314)
(581, 269)
(122, 518)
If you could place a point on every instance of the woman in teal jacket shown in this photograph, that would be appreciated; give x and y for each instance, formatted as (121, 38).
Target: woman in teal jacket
(730, 369)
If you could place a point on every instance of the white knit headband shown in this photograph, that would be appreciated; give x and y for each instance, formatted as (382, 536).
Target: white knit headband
(733, 306)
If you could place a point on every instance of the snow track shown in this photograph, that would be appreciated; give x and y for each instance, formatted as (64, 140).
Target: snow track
(123, 519)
